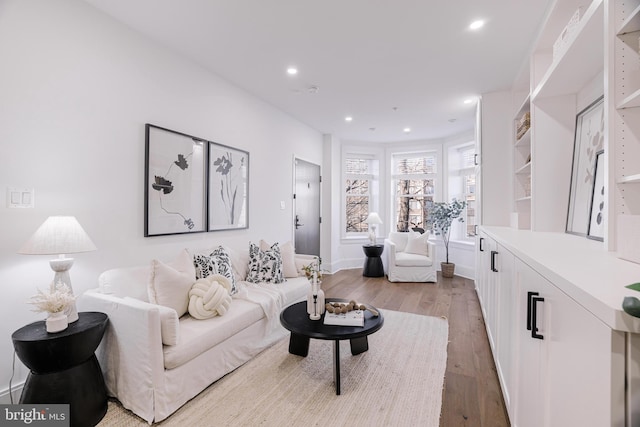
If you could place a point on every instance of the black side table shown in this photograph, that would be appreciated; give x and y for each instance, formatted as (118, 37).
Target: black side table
(373, 264)
(64, 368)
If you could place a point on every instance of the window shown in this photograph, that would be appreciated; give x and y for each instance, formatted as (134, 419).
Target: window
(462, 186)
(414, 176)
(361, 190)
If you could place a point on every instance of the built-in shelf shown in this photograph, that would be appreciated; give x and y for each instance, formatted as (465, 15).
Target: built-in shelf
(631, 23)
(526, 169)
(631, 179)
(524, 199)
(631, 101)
(582, 59)
(525, 139)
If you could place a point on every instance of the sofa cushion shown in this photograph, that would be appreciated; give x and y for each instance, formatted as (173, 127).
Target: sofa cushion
(417, 244)
(265, 266)
(198, 336)
(217, 262)
(288, 254)
(405, 259)
(210, 297)
(169, 283)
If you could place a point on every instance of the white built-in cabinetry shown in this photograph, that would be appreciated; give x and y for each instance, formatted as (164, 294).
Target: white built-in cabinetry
(623, 90)
(559, 363)
(578, 362)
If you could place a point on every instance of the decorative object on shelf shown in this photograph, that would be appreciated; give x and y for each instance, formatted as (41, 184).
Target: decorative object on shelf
(589, 139)
(228, 188)
(597, 210)
(60, 235)
(523, 125)
(566, 35)
(175, 184)
(55, 302)
(315, 297)
(373, 220)
(443, 214)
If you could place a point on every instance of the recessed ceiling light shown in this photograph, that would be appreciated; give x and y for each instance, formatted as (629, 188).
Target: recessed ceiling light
(468, 101)
(348, 118)
(292, 71)
(406, 130)
(476, 24)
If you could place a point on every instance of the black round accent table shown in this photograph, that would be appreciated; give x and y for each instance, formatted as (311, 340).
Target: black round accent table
(64, 368)
(373, 264)
(296, 319)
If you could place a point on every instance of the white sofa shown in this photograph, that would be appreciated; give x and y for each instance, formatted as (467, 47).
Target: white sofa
(409, 257)
(153, 362)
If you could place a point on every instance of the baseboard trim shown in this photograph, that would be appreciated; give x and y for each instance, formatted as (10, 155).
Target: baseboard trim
(16, 391)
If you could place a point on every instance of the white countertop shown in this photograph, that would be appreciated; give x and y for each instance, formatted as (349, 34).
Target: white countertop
(582, 268)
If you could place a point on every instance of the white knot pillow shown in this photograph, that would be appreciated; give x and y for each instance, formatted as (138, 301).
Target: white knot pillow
(210, 297)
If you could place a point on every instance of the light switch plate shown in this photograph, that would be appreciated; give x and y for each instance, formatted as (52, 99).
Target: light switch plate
(282, 205)
(20, 197)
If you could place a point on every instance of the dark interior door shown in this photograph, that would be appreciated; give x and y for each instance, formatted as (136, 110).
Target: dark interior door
(307, 208)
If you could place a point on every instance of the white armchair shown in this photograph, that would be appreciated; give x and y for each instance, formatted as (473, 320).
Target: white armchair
(410, 257)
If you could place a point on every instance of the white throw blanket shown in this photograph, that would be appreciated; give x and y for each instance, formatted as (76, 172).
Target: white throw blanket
(268, 295)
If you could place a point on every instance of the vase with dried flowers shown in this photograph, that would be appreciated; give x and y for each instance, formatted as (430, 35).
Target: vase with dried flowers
(315, 297)
(54, 302)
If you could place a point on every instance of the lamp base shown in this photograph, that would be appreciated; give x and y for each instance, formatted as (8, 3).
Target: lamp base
(62, 266)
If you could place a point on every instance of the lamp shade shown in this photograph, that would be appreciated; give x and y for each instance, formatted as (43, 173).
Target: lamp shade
(58, 235)
(373, 218)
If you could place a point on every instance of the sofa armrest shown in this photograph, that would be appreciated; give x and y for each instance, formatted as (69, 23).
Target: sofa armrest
(390, 251)
(130, 354)
(431, 248)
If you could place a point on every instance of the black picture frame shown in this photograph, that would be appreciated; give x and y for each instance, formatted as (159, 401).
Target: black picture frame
(228, 202)
(175, 192)
(589, 139)
(598, 199)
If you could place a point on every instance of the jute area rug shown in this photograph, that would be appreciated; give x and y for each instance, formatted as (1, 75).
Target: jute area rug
(398, 382)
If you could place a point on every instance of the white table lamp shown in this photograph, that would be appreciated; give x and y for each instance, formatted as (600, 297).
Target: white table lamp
(373, 220)
(60, 235)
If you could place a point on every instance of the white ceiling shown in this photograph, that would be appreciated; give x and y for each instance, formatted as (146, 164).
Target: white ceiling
(389, 64)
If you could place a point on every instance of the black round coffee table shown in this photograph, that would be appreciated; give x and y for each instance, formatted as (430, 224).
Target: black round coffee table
(296, 319)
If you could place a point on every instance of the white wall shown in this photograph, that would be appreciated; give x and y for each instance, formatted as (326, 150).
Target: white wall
(76, 89)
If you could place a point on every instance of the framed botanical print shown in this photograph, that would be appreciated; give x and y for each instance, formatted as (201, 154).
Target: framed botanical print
(589, 140)
(228, 188)
(175, 182)
(597, 211)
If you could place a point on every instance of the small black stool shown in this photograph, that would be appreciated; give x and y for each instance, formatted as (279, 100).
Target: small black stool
(373, 264)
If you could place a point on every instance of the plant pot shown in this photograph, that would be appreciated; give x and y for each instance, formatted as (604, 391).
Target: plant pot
(56, 322)
(447, 269)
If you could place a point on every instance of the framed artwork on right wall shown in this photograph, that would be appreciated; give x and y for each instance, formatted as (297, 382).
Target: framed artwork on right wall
(589, 140)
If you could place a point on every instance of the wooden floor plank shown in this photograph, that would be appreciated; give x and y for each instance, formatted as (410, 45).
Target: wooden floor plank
(472, 394)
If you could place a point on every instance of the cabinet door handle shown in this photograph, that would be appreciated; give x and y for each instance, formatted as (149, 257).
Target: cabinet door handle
(475, 160)
(481, 247)
(534, 318)
(493, 261)
(530, 295)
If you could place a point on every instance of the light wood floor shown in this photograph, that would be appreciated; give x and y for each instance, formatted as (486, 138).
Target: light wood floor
(471, 395)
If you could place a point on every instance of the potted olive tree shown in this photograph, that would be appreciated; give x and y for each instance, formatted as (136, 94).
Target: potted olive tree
(442, 215)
